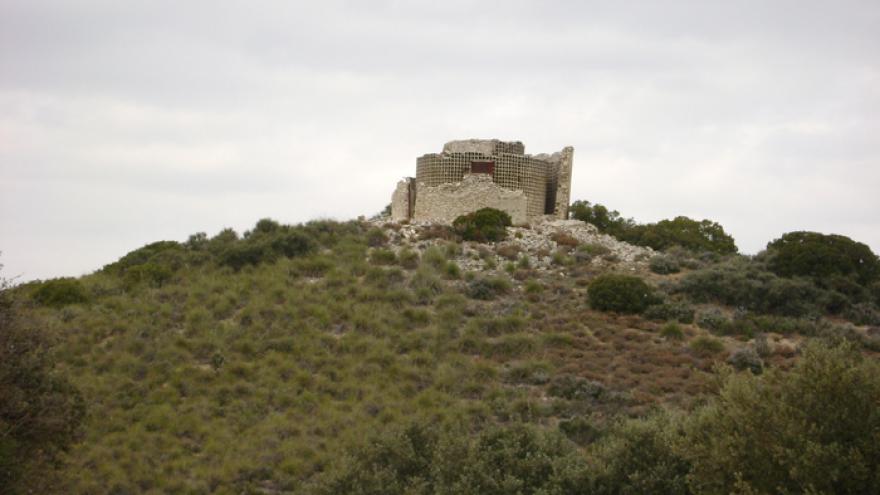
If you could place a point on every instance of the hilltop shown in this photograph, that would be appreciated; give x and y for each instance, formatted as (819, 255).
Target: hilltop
(274, 361)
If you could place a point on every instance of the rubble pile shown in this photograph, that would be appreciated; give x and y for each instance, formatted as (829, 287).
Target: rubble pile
(547, 244)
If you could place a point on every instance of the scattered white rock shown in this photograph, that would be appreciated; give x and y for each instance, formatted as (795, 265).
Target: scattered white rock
(535, 241)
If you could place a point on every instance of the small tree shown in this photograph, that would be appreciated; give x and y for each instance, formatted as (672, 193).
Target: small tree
(40, 412)
(821, 257)
(813, 430)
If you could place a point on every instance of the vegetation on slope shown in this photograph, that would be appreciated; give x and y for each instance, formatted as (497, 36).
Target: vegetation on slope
(338, 358)
(703, 235)
(40, 411)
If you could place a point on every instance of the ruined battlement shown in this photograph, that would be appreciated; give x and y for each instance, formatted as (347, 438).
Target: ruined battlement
(442, 181)
(484, 146)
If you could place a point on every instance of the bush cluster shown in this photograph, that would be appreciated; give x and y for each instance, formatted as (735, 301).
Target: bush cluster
(820, 256)
(753, 435)
(60, 292)
(483, 225)
(664, 265)
(699, 236)
(703, 235)
(487, 288)
(427, 459)
(620, 293)
(671, 310)
(740, 282)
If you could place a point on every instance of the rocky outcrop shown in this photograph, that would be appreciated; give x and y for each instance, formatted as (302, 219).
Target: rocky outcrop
(542, 242)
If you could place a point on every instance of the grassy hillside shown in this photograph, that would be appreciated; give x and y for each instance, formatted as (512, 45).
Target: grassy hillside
(257, 364)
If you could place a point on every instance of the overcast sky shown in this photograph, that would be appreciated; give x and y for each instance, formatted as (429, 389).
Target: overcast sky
(123, 123)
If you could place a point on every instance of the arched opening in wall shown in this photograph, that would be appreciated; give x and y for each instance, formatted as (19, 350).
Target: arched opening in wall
(482, 167)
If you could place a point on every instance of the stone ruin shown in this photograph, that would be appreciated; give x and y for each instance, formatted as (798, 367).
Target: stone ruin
(479, 173)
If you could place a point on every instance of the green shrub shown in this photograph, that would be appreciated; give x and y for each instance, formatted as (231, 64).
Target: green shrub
(579, 430)
(383, 257)
(874, 292)
(266, 226)
(607, 221)
(434, 257)
(451, 270)
(863, 314)
(640, 456)
(706, 346)
(593, 250)
(713, 320)
(664, 265)
(437, 231)
(487, 288)
(744, 283)
(376, 237)
(150, 274)
(291, 243)
(821, 256)
(60, 292)
(620, 293)
(241, 254)
(811, 430)
(425, 284)
(40, 410)
(534, 287)
(671, 310)
(483, 225)
(672, 331)
(703, 235)
(576, 388)
(409, 258)
(162, 252)
(421, 459)
(746, 358)
(265, 244)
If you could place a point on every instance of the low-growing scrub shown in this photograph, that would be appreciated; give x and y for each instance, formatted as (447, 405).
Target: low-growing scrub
(706, 346)
(671, 310)
(746, 358)
(664, 265)
(672, 331)
(620, 293)
(487, 288)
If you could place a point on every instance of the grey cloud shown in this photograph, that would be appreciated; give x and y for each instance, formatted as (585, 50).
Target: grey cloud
(127, 122)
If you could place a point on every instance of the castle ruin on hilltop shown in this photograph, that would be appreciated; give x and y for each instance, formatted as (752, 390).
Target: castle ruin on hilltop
(478, 173)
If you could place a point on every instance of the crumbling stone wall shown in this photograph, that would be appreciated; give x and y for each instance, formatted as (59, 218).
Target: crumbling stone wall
(401, 204)
(446, 202)
(484, 146)
(563, 188)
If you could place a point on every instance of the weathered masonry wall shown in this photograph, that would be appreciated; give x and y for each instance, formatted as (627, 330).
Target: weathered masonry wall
(403, 201)
(446, 202)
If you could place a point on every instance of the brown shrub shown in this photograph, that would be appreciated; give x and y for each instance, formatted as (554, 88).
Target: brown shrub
(508, 251)
(436, 231)
(564, 239)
